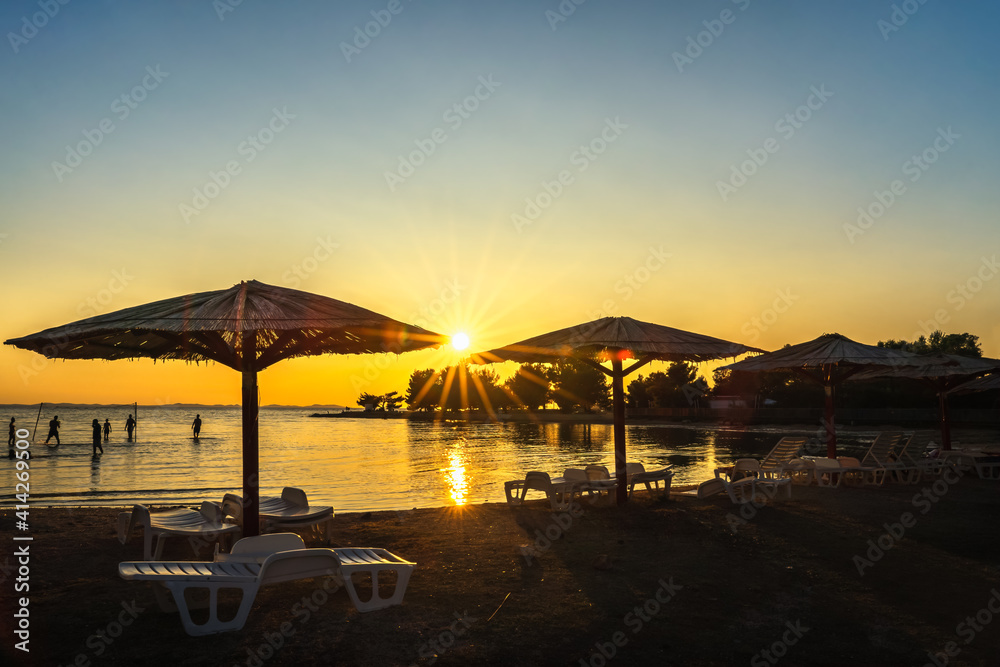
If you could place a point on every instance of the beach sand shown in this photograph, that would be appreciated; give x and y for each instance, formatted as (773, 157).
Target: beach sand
(665, 582)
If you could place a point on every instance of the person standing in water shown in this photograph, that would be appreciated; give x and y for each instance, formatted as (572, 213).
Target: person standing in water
(130, 426)
(107, 429)
(97, 437)
(54, 425)
(10, 440)
(196, 425)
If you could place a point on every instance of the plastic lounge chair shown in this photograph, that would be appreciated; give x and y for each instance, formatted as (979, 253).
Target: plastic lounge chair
(581, 483)
(740, 491)
(799, 471)
(903, 466)
(749, 469)
(880, 459)
(637, 474)
(263, 560)
(746, 468)
(284, 560)
(290, 511)
(770, 487)
(352, 561)
(373, 561)
(986, 464)
(933, 463)
(559, 491)
(205, 524)
(600, 481)
(851, 472)
(914, 454)
(825, 471)
(783, 452)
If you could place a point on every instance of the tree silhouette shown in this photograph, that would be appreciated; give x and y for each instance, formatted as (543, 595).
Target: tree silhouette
(370, 402)
(576, 384)
(530, 384)
(964, 344)
(678, 387)
(392, 401)
(423, 391)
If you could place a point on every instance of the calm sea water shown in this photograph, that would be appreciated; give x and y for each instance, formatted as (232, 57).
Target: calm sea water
(352, 464)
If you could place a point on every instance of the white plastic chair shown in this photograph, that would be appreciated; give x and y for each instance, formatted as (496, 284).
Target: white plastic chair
(290, 511)
(206, 524)
(637, 474)
(559, 491)
(265, 560)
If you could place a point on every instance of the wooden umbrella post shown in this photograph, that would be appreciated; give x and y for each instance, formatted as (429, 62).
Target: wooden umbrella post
(618, 397)
(251, 462)
(945, 424)
(831, 429)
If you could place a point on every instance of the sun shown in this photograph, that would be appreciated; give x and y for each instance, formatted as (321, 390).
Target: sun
(460, 341)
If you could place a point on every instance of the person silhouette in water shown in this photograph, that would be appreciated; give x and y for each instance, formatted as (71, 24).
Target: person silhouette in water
(130, 426)
(196, 425)
(54, 425)
(97, 437)
(10, 440)
(107, 429)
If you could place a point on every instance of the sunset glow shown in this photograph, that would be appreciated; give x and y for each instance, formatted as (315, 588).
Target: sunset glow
(797, 171)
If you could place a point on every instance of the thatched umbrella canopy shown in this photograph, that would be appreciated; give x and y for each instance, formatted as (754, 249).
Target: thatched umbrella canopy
(985, 383)
(828, 360)
(615, 339)
(247, 327)
(941, 372)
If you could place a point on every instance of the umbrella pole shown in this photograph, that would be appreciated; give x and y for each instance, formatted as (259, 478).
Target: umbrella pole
(831, 429)
(618, 396)
(251, 478)
(945, 421)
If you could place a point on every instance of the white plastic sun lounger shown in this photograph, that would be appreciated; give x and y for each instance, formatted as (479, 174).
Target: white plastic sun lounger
(560, 491)
(826, 471)
(851, 472)
(600, 482)
(264, 560)
(637, 474)
(783, 452)
(205, 524)
(915, 454)
(986, 464)
(743, 490)
(740, 491)
(290, 511)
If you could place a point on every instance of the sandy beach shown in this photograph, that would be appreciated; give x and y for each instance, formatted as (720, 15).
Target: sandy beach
(869, 576)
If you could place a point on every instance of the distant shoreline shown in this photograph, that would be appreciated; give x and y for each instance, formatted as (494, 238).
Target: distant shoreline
(171, 406)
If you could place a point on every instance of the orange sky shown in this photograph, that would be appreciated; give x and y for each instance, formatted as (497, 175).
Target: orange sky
(479, 168)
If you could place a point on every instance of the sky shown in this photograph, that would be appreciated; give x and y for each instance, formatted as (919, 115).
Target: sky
(761, 172)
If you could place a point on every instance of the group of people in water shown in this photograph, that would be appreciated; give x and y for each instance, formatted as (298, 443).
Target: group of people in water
(100, 432)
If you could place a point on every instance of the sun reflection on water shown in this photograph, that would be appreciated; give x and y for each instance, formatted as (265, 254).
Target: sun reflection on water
(456, 477)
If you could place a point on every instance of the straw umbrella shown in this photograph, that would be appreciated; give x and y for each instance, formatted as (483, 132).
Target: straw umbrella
(828, 360)
(985, 383)
(616, 339)
(247, 327)
(943, 373)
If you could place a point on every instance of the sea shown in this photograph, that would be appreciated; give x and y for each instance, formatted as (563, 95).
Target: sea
(353, 464)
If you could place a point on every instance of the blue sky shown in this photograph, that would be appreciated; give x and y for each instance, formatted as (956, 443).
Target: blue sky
(314, 208)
